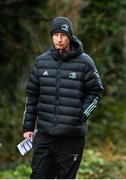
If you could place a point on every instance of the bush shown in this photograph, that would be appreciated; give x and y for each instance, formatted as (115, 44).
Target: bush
(19, 172)
(95, 165)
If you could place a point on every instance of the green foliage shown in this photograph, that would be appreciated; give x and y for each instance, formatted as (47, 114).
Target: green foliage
(24, 34)
(18, 172)
(102, 19)
(22, 24)
(92, 163)
(95, 166)
(104, 37)
(19, 34)
(10, 131)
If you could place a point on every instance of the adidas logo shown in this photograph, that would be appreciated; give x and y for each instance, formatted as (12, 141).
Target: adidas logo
(45, 73)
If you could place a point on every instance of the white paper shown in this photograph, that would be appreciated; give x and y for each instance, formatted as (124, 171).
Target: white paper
(25, 146)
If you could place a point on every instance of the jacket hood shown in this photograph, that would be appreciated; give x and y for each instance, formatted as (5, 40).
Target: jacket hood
(76, 49)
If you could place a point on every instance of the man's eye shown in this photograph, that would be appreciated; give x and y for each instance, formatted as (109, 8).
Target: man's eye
(56, 34)
(63, 34)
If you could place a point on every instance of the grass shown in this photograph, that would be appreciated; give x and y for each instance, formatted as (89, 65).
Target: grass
(18, 172)
(95, 164)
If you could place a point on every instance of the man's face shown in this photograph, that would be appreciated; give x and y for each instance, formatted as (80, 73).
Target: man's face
(61, 41)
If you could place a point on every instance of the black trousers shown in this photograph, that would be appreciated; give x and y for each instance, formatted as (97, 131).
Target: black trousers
(56, 156)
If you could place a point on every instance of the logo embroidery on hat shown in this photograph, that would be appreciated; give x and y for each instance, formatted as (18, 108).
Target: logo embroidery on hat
(65, 27)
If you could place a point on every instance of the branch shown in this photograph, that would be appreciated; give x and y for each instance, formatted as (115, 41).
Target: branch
(10, 2)
(40, 18)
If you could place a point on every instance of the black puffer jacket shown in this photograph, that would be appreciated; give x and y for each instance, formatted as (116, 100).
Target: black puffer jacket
(63, 90)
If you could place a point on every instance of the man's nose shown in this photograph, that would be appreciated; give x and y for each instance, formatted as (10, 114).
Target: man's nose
(59, 38)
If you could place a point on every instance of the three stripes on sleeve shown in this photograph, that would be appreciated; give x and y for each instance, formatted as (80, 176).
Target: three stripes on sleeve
(91, 107)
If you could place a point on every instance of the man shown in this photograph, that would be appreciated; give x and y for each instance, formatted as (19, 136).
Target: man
(63, 89)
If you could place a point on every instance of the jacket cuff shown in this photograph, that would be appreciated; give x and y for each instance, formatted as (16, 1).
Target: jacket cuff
(84, 117)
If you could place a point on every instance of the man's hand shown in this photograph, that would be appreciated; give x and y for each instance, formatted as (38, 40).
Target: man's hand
(29, 135)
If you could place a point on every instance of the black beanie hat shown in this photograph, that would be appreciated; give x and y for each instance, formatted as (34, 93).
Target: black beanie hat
(62, 24)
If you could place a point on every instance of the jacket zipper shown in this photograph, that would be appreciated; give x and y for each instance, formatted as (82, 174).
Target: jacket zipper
(57, 88)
